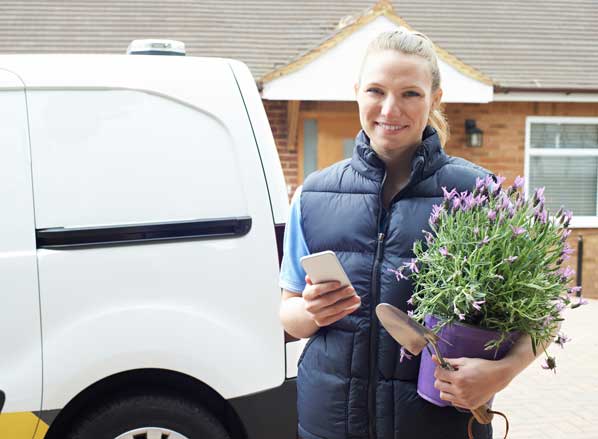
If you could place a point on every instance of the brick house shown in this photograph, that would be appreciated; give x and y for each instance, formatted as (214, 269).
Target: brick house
(524, 72)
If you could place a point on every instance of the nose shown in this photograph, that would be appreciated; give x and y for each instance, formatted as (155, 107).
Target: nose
(391, 107)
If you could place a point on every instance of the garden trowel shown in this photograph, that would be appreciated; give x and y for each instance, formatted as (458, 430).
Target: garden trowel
(415, 337)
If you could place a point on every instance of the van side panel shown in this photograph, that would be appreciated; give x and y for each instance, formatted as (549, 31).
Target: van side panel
(20, 337)
(204, 307)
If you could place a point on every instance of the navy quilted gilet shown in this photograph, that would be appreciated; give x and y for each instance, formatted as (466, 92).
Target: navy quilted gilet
(351, 383)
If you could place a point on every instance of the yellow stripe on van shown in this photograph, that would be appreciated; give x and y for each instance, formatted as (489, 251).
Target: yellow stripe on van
(22, 425)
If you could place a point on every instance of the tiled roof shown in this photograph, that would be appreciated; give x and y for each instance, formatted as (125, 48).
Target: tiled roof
(530, 44)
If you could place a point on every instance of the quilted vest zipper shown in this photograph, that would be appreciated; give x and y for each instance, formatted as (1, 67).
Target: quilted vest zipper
(374, 324)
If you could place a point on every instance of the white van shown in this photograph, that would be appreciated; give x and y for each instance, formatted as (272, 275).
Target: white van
(141, 198)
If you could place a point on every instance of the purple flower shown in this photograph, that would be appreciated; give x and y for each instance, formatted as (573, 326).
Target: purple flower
(468, 202)
(511, 259)
(549, 364)
(574, 290)
(404, 354)
(448, 195)
(476, 230)
(443, 251)
(566, 273)
(541, 215)
(476, 304)
(565, 235)
(539, 196)
(518, 182)
(485, 241)
(398, 273)
(436, 211)
(410, 301)
(517, 230)
(480, 199)
(461, 316)
(580, 302)
(567, 251)
(479, 182)
(412, 265)
(456, 203)
(506, 203)
(429, 237)
(567, 216)
(491, 215)
(561, 339)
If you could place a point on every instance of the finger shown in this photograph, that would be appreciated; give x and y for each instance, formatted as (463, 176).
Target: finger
(322, 311)
(312, 292)
(335, 317)
(318, 302)
(455, 362)
(446, 396)
(308, 280)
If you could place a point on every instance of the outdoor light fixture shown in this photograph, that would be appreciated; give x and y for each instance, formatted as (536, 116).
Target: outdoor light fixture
(474, 135)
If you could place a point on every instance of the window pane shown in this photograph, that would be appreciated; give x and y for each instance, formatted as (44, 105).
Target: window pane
(569, 182)
(566, 135)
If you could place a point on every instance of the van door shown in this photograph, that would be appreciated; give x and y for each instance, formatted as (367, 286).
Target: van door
(20, 334)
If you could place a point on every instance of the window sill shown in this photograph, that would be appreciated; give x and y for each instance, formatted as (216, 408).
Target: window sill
(584, 222)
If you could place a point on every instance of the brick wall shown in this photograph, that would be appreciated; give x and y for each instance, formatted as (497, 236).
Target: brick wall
(503, 152)
(277, 115)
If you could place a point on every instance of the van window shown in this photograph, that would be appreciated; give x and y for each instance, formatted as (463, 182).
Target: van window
(106, 157)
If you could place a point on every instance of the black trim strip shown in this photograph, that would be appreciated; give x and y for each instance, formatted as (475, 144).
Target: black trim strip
(60, 237)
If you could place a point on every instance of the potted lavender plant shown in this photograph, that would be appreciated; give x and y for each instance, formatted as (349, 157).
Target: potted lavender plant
(490, 269)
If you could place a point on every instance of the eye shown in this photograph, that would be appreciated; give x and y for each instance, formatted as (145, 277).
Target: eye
(374, 90)
(412, 93)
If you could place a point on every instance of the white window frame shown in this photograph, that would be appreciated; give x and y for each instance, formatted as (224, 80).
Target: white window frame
(577, 221)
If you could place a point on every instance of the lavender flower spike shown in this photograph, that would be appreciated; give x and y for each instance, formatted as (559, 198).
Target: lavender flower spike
(448, 195)
(517, 230)
(549, 364)
(491, 215)
(561, 339)
(412, 266)
(398, 273)
(476, 304)
(518, 182)
(404, 355)
(443, 251)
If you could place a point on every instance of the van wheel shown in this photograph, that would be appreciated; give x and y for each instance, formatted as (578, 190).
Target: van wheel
(150, 417)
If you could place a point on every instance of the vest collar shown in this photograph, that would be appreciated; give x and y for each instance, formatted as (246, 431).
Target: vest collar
(428, 158)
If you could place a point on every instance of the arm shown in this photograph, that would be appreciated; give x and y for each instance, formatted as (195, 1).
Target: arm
(476, 381)
(302, 314)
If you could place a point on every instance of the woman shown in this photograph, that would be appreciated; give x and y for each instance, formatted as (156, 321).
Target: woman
(352, 381)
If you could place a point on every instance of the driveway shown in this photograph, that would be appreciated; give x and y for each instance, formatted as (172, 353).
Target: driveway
(544, 405)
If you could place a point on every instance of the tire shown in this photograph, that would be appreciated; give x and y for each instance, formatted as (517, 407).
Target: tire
(149, 417)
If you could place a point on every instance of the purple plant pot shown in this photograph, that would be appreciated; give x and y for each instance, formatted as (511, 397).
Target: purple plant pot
(467, 341)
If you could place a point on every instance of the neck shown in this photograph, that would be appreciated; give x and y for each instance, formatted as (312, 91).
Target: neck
(396, 161)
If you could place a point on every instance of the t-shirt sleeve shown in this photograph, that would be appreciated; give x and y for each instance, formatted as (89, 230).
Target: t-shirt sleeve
(292, 275)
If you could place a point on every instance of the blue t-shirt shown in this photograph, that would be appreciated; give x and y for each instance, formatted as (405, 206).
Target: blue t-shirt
(292, 274)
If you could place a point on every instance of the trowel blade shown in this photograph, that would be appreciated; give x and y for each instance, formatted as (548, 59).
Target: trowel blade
(410, 334)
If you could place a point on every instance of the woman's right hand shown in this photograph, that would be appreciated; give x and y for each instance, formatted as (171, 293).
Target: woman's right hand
(326, 303)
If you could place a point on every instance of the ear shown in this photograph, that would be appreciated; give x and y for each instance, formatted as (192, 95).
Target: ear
(436, 98)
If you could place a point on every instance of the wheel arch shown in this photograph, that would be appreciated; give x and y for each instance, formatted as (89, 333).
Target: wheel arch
(160, 381)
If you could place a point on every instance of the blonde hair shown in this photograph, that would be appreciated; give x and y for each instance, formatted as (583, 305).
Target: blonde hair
(413, 43)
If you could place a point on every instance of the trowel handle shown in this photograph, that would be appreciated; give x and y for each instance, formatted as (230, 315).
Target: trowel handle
(483, 414)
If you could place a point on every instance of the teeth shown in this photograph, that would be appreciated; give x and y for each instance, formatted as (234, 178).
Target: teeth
(391, 127)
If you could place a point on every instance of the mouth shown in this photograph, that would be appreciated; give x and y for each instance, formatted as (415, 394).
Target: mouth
(391, 127)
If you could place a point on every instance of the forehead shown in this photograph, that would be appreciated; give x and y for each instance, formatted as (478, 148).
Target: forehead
(394, 67)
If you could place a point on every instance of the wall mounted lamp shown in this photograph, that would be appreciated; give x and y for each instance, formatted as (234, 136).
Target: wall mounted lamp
(473, 135)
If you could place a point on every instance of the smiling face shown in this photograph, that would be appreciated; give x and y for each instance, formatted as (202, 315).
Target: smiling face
(395, 100)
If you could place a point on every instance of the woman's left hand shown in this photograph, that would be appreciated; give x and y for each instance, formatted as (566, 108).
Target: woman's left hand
(473, 383)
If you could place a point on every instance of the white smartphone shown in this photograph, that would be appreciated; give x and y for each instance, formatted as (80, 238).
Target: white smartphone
(324, 267)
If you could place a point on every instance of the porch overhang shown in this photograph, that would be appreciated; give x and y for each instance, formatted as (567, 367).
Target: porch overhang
(330, 75)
